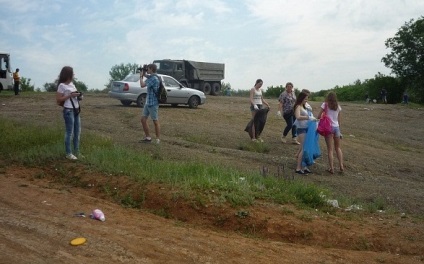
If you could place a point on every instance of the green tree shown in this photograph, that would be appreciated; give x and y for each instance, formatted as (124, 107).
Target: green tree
(52, 87)
(274, 92)
(26, 85)
(81, 87)
(391, 84)
(119, 72)
(406, 58)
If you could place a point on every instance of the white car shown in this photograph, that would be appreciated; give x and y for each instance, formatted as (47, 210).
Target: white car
(128, 91)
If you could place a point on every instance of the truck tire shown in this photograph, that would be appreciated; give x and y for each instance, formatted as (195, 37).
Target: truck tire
(207, 88)
(216, 87)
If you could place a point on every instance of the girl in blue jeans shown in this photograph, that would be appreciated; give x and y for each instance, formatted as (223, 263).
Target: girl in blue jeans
(67, 95)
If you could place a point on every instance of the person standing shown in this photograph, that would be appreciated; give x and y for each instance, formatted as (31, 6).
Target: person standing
(68, 94)
(333, 141)
(302, 116)
(286, 103)
(383, 94)
(16, 81)
(256, 103)
(405, 98)
(151, 105)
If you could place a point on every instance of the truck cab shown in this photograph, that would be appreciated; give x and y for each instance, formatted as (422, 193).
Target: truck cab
(172, 68)
(6, 79)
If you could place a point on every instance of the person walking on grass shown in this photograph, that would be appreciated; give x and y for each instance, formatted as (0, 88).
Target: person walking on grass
(67, 95)
(302, 116)
(285, 108)
(256, 103)
(151, 105)
(333, 141)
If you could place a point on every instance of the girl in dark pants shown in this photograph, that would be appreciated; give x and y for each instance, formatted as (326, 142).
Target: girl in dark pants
(16, 80)
(256, 102)
(290, 118)
(285, 106)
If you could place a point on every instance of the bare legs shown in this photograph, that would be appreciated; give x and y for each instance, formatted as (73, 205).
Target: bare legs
(146, 128)
(331, 141)
(299, 154)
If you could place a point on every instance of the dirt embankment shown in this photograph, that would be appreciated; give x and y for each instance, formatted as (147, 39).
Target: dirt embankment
(382, 148)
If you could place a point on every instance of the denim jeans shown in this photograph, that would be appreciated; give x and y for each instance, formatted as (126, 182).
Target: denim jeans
(290, 118)
(73, 130)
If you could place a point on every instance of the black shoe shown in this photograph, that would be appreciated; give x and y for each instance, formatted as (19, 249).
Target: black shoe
(300, 172)
(145, 140)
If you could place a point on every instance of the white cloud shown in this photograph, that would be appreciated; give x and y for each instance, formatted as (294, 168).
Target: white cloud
(315, 44)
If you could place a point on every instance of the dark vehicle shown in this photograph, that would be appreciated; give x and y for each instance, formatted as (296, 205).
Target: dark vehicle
(203, 76)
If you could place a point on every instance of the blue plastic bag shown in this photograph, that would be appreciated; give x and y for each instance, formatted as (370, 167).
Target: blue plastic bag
(311, 149)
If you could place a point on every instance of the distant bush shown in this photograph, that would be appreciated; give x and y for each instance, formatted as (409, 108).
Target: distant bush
(358, 90)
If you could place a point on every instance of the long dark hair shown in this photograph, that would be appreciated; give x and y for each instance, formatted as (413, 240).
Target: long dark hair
(66, 74)
(300, 99)
(332, 101)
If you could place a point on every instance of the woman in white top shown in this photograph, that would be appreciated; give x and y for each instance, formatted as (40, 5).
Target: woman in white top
(256, 102)
(333, 111)
(302, 117)
(67, 94)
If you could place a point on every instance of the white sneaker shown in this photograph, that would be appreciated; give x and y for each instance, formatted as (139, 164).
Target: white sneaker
(71, 157)
(260, 139)
(157, 141)
(283, 139)
(295, 141)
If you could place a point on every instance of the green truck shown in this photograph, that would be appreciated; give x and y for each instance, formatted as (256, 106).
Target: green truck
(203, 76)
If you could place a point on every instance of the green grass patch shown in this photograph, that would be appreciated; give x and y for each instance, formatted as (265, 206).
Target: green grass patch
(32, 145)
(254, 147)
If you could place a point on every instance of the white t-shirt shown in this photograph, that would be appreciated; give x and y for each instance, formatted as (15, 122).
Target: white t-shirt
(67, 89)
(257, 97)
(302, 123)
(334, 115)
(309, 108)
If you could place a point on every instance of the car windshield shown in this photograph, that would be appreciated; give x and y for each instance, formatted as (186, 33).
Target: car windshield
(132, 78)
(169, 82)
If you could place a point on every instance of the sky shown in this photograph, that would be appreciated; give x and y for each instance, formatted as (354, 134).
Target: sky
(315, 44)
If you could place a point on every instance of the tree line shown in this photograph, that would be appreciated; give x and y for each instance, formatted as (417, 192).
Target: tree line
(405, 59)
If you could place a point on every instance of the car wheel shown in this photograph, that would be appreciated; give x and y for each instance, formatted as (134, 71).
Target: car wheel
(174, 105)
(141, 100)
(207, 88)
(216, 87)
(125, 102)
(193, 102)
